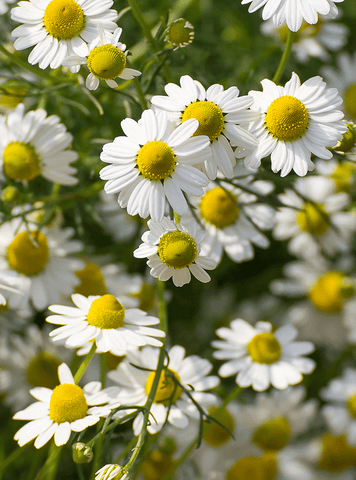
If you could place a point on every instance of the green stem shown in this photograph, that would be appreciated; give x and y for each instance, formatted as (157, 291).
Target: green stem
(126, 450)
(102, 369)
(49, 469)
(140, 94)
(84, 364)
(286, 53)
(12, 457)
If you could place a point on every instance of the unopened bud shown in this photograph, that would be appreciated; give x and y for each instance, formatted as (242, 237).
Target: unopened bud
(180, 33)
(10, 194)
(348, 142)
(81, 453)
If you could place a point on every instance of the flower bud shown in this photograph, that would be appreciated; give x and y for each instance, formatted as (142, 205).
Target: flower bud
(81, 453)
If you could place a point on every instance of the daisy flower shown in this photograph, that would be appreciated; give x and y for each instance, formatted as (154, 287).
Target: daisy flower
(223, 116)
(154, 162)
(33, 144)
(296, 120)
(173, 251)
(103, 319)
(65, 409)
(112, 471)
(293, 13)
(134, 377)
(106, 60)
(262, 358)
(60, 28)
(38, 259)
(340, 414)
(315, 218)
(341, 173)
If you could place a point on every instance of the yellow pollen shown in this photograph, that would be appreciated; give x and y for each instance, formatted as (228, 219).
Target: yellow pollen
(218, 208)
(210, 118)
(177, 249)
(146, 296)
(350, 101)
(64, 19)
(42, 371)
(166, 389)
(156, 465)
(351, 405)
(254, 468)
(180, 33)
(343, 176)
(273, 435)
(214, 434)
(264, 348)
(313, 218)
(156, 160)
(106, 312)
(67, 403)
(11, 97)
(91, 281)
(20, 161)
(26, 255)
(329, 292)
(106, 62)
(287, 118)
(337, 454)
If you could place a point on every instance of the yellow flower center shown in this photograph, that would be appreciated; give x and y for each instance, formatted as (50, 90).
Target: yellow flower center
(287, 118)
(146, 296)
(106, 312)
(209, 116)
(343, 176)
(177, 249)
(351, 405)
(156, 465)
(28, 255)
(350, 101)
(313, 218)
(91, 281)
(337, 455)
(106, 62)
(12, 97)
(264, 348)
(166, 390)
(218, 208)
(272, 435)
(64, 19)
(20, 161)
(42, 371)
(348, 141)
(67, 403)
(256, 468)
(214, 434)
(180, 33)
(156, 160)
(329, 292)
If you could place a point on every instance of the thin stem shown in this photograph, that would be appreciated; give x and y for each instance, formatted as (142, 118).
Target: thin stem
(286, 53)
(140, 94)
(84, 364)
(49, 469)
(126, 450)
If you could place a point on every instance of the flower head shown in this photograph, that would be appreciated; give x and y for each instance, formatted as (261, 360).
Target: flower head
(180, 33)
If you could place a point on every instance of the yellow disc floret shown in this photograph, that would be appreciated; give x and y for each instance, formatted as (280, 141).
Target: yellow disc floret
(330, 290)
(287, 118)
(351, 405)
(11, 97)
(337, 454)
(180, 33)
(20, 161)
(177, 249)
(106, 62)
(350, 101)
(42, 371)
(156, 160)
(343, 176)
(209, 116)
(28, 255)
(264, 348)
(313, 218)
(106, 312)
(67, 403)
(254, 468)
(64, 19)
(214, 434)
(218, 208)
(167, 390)
(273, 435)
(91, 281)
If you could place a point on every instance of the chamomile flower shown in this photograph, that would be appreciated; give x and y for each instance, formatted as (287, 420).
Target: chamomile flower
(340, 414)
(38, 259)
(60, 28)
(134, 377)
(33, 145)
(223, 116)
(103, 319)
(293, 13)
(179, 33)
(154, 163)
(315, 218)
(106, 60)
(341, 173)
(59, 412)
(296, 121)
(112, 471)
(173, 251)
(262, 358)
